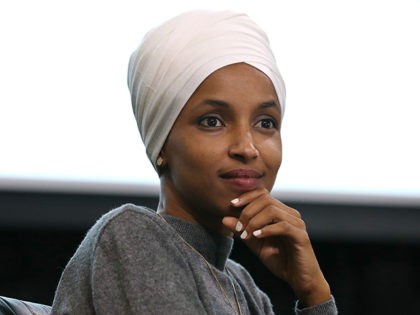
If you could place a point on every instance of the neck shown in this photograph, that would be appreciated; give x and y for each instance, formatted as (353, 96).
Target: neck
(209, 222)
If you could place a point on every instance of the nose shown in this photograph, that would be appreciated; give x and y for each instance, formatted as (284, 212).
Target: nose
(243, 146)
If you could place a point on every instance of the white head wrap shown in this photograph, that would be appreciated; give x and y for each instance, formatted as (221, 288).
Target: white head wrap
(177, 56)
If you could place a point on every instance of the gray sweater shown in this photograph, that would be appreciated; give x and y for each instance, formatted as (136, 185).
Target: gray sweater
(134, 262)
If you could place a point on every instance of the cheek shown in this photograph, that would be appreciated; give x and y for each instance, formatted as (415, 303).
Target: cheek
(272, 159)
(187, 152)
(272, 153)
(279, 154)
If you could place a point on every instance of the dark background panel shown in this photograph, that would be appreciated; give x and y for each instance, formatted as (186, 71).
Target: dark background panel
(370, 254)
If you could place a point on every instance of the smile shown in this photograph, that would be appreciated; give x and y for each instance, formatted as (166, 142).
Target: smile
(242, 179)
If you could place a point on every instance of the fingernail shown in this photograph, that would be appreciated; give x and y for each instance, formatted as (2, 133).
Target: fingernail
(257, 233)
(244, 235)
(238, 226)
(235, 201)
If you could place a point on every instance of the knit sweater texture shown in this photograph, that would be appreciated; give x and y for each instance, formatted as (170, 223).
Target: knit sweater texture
(132, 261)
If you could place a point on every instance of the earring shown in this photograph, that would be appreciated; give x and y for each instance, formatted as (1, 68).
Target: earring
(159, 161)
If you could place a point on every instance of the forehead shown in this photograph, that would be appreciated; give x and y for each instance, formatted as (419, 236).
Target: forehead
(236, 83)
(242, 73)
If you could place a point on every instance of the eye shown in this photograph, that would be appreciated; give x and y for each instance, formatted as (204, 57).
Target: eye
(210, 122)
(267, 123)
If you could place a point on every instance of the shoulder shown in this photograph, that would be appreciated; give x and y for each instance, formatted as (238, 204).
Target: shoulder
(130, 237)
(123, 225)
(126, 212)
(126, 222)
(126, 215)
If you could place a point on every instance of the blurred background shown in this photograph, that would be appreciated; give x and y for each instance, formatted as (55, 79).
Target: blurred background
(70, 150)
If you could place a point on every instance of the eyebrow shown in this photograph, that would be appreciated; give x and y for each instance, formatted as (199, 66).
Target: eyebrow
(215, 103)
(223, 104)
(270, 104)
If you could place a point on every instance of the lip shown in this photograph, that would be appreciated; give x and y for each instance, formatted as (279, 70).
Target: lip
(242, 179)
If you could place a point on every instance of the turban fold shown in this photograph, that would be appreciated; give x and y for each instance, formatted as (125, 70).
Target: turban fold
(176, 57)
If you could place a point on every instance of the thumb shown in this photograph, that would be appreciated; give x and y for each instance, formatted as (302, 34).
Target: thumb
(230, 223)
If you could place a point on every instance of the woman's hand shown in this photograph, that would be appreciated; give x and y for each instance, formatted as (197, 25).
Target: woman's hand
(277, 234)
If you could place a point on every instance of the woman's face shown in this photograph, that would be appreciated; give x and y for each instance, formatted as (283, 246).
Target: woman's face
(226, 141)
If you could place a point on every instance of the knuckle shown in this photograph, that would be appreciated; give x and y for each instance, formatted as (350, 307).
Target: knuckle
(285, 226)
(306, 240)
(297, 214)
(273, 211)
(301, 224)
(245, 217)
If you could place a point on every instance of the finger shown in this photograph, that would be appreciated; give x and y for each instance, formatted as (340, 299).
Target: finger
(257, 205)
(283, 228)
(247, 197)
(230, 223)
(250, 196)
(270, 215)
(269, 205)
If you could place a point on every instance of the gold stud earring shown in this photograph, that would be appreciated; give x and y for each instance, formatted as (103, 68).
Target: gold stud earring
(159, 161)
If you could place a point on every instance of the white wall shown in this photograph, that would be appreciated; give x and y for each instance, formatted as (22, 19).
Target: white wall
(352, 72)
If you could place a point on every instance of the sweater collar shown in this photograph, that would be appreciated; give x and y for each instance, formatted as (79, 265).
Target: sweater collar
(214, 247)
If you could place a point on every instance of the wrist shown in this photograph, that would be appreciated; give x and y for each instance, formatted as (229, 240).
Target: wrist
(318, 294)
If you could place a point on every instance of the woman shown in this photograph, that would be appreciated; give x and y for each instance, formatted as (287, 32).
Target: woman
(209, 100)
